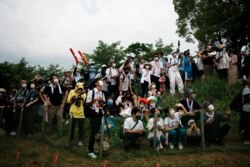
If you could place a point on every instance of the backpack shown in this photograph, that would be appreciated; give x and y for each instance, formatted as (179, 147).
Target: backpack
(88, 111)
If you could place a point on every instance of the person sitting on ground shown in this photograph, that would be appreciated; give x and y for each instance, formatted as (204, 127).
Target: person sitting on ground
(193, 134)
(133, 130)
(125, 104)
(143, 106)
(245, 114)
(214, 132)
(173, 126)
(160, 137)
(76, 100)
(191, 105)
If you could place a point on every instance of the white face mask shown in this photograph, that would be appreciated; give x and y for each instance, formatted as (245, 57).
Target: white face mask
(171, 112)
(193, 96)
(210, 107)
(153, 86)
(156, 58)
(114, 65)
(100, 83)
(141, 106)
(147, 67)
(32, 86)
(152, 104)
(24, 85)
(55, 81)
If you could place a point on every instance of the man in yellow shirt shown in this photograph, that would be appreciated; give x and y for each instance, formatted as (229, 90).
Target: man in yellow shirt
(76, 98)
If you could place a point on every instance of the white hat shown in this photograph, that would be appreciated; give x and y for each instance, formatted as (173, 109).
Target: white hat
(104, 65)
(2, 90)
(190, 121)
(245, 91)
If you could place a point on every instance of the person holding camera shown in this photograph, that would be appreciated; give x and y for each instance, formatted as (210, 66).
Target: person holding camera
(96, 100)
(193, 134)
(173, 126)
(76, 100)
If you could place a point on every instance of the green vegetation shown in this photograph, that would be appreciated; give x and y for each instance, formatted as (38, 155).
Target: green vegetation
(38, 151)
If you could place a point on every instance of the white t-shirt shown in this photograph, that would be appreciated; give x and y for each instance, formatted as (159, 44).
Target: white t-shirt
(125, 81)
(129, 123)
(172, 61)
(245, 49)
(96, 105)
(146, 76)
(150, 125)
(173, 122)
(156, 68)
(111, 74)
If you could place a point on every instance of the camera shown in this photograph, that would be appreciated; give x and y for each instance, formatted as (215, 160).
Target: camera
(78, 100)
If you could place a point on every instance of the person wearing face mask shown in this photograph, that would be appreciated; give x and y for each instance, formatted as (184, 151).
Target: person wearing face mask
(143, 106)
(19, 103)
(145, 78)
(96, 100)
(76, 100)
(125, 81)
(190, 105)
(174, 74)
(160, 137)
(157, 70)
(175, 132)
(3, 107)
(138, 72)
(55, 96)
(92, 72)
(214, 132)
(31, 99)
(126, 104)
(111, 108)
(133, 130)
(112, 79)
(245, 61)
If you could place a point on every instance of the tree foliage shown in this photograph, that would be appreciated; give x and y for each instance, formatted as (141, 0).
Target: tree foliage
(12, 73)
(105, 52)
(209, 20)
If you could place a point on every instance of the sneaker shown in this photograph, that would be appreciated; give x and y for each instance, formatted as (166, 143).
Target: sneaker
(180, 146)
(246, 142)
(92, 155)
(79, 144)
(171, 146)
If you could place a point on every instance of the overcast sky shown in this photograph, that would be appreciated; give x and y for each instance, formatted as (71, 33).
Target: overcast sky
(42, 31)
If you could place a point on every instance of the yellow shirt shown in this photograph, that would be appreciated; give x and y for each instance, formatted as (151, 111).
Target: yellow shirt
(78, 112)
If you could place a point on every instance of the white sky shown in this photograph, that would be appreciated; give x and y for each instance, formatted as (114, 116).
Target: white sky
(42, 31)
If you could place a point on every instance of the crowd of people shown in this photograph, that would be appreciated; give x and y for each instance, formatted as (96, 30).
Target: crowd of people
(134, 92)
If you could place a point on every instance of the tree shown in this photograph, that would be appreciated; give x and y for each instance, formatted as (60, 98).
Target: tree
(140, 49)
(11, 74)
(166, 49)
(213, 20)
(105, 52)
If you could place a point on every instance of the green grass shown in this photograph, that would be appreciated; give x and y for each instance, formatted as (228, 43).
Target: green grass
(40, 151)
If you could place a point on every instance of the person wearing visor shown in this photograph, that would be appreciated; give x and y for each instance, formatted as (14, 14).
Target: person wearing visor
(190, 105)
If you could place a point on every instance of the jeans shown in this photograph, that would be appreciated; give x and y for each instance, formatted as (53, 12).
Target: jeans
(176, 135)
(161, 140)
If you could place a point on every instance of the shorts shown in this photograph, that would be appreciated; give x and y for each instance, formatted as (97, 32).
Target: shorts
(188, 76)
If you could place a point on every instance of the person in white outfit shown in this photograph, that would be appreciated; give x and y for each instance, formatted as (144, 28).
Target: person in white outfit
(174, 74)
